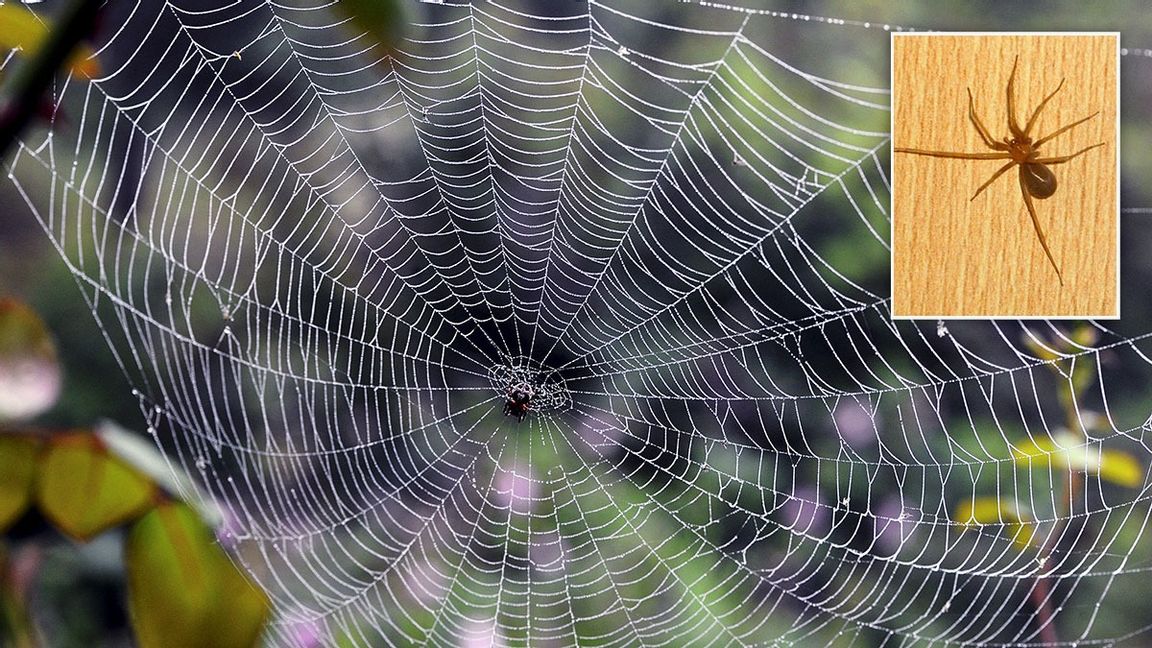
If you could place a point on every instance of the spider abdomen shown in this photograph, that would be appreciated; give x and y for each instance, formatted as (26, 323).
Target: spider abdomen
(1039, 179)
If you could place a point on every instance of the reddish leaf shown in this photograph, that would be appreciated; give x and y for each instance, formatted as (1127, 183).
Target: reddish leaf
(29, 372)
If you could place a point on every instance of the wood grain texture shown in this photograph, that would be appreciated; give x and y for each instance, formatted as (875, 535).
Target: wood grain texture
(956, 257)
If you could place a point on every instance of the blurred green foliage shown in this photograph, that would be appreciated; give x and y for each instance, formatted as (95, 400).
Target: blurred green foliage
(22, 30)
(183, 589)
(183, 548)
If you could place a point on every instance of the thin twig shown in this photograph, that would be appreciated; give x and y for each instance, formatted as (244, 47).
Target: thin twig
(1073, 486)
(20, 100)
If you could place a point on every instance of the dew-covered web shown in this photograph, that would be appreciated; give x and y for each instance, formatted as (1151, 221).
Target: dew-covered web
(325, 265)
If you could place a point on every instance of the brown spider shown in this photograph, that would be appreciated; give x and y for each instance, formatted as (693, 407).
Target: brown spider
(518, 400)
(1036, 179)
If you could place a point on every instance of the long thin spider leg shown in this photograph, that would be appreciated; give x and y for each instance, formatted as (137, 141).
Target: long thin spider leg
(1063, 130)
(975, 119)
(999, 172)
(1036, 113)
(959, 156)
(1012, 125)
(1039, 231)
(1064, 158)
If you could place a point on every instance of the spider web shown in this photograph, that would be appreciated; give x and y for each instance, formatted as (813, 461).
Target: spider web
(323, 267)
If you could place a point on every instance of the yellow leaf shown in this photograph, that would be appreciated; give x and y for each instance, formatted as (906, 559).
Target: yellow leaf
(1018, 524)
(85, 491)
(17, 468)
(1022, 534)
(182, 589)
(1085, 335)
(986, 510)
(1121, 468)
(21, 29)
(1066, 451)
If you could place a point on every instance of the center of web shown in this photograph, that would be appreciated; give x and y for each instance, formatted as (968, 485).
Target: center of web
(526, 387)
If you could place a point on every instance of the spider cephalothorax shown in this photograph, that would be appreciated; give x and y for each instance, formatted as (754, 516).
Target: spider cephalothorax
(519, 400)
(1019, 150)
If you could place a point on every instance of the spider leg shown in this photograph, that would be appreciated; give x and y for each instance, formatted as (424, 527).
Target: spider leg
(1036, 113)
(998, 173)
(1039, 231)
(1012, 125)
(1064, 158)
(1064, 129)
(1004, 155)
(975, 119)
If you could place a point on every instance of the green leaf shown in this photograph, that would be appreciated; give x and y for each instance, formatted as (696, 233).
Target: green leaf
(1085, 335)
(241, 609)
(29, 372)
(85, 491)
(1066, 451)
(1083, 372)
(141, 454)
(1017, 521)
(23, 30)
(182, 589)
(17, 468)
(171, 578)
(1040, 350)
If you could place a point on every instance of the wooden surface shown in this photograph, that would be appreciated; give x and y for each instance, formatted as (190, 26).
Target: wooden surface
(954, 257)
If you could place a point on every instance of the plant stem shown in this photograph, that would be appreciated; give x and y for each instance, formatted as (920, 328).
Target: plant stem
(15, 614)
(1073, 484)
(21, 98)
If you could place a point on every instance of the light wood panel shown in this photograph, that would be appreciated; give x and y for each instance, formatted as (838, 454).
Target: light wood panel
(955, 257)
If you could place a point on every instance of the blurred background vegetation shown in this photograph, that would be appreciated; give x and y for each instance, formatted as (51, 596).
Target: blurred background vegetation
(77, 593)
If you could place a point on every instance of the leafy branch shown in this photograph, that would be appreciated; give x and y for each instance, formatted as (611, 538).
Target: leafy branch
(46, 52)
(1067, 452)
(183, 590)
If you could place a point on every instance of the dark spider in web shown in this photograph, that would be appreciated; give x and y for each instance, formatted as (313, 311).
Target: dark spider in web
(1036, 179)
(519, 400)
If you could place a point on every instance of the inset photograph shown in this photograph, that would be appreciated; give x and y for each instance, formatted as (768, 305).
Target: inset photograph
(1005, 179)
